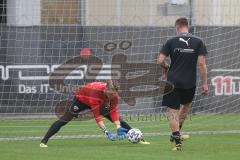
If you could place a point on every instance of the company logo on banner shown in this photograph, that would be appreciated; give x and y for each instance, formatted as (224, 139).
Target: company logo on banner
(136, 79)
(46, 70)
(225, 84)
(106, 71)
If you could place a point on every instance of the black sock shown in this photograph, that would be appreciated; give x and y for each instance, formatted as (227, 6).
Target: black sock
(125, 125)
(53, 129)
(177, 137)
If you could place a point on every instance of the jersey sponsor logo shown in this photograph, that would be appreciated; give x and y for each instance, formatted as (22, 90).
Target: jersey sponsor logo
(183, 50)
(185, 41)
(75, 108)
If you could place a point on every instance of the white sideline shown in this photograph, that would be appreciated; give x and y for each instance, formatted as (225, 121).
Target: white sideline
(102, 136)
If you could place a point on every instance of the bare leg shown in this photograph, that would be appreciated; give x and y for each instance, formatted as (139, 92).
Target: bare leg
(173, 117)
(183, 112)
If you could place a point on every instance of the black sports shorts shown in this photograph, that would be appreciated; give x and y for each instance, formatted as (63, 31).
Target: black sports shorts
(177, 97)
(76, 107)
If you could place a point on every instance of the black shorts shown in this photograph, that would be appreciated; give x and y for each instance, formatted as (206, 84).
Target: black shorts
(177, 97)
(77, 107)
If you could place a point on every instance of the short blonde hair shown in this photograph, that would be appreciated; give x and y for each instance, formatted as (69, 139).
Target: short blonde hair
(113, 84)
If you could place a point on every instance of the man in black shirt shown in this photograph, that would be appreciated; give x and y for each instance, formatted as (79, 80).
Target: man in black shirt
(186, 52)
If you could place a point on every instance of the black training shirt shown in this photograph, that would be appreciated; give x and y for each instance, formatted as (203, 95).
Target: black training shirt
(183, 50)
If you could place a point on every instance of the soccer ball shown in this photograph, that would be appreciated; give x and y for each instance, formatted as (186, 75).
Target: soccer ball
(134, 135)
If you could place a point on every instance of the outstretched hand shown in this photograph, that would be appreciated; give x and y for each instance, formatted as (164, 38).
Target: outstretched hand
(122, 132)
(111, 136)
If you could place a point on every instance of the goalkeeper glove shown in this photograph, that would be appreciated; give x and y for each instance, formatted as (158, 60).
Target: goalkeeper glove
(111, 137)
(121, 132)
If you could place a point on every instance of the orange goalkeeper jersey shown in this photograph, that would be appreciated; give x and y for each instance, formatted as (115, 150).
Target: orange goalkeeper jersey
(93, 96)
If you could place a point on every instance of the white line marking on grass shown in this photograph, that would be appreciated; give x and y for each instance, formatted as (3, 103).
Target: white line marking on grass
(102, 136)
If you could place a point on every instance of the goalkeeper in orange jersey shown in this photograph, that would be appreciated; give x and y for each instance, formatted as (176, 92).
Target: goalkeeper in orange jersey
(99, 97)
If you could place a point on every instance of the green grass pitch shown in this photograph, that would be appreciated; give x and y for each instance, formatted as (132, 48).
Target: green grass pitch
(198, 147)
